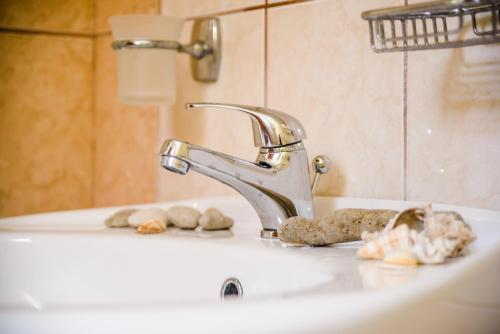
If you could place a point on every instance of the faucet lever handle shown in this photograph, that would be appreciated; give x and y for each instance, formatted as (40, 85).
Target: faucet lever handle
(271, 128)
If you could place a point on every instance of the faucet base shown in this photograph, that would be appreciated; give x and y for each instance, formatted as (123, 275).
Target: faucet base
(269, 234)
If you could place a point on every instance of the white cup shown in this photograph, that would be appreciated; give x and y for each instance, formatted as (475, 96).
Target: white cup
(146, 76)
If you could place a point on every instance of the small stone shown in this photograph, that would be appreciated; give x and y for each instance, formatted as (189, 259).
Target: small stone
(183, 217)
(119, 218)
(213, 220)
(141, 216)
(151, 226)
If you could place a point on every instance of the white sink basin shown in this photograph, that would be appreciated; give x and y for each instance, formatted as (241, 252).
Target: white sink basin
(94, 270)
(67, 270)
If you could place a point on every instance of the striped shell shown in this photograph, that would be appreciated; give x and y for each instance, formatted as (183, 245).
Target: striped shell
(431, 240)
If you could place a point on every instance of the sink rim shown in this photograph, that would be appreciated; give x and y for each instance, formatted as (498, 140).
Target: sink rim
(263, 313)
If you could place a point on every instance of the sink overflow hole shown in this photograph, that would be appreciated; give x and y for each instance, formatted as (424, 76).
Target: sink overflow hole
(231, 288)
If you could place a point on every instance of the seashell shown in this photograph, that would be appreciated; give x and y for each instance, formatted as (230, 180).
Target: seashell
(432, 238)
(402, 258)
(151, 226)
(399, 239)
(413, 217)
(450, 226)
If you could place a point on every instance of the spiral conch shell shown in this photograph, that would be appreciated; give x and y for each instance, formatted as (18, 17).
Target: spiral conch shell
(426, 237)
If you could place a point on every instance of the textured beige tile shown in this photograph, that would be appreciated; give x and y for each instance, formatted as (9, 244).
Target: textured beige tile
(58, 15)
(191, 8)
(45, 123)
(106, 8)
(322, 71)
(241, 81)
(126, 156)
(454, 126)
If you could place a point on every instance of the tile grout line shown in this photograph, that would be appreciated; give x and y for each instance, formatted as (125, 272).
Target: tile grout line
(160, 113)
(46, 32)
(94, 108)
(251, 8)
(405, 127)
(404, 158)
(265, 56)
(96, 33)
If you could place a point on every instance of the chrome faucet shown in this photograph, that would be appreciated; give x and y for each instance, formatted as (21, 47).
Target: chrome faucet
(277, 184)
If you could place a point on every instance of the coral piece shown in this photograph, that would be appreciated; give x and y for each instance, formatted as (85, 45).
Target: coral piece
(342, 225)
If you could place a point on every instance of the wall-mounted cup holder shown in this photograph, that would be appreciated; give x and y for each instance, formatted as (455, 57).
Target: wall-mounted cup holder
(146, 47)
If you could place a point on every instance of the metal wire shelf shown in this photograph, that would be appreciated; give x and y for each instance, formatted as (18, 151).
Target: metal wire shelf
(434, 25)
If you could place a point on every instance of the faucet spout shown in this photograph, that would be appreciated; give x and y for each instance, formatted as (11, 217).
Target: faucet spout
(276, 185)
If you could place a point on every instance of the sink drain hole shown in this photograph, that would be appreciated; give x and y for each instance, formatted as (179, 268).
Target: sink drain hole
(231, 288)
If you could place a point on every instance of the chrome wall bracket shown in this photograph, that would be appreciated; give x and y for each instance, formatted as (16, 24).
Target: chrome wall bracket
(205, 48)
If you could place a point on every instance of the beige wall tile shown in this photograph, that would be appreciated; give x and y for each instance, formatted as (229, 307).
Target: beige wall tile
(191, 8)
(454, 126)
(126, 156)
(106, 8)
(241, 81)
(126, 138)
(322, 71)
(45, 123)
(57, 15)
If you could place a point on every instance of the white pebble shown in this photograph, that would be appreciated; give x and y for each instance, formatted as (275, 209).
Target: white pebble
(213, 219)
(183, 217)
(141, 216)
(119, 218)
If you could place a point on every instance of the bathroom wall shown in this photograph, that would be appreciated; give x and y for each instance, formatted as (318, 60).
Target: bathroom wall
(416, 126)
(45, 105)
(65, 141)
(125, 136)
(421, 126)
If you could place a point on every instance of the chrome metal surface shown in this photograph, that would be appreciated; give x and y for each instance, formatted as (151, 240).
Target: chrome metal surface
(434, 25)
(206, 34)
(276, 184)
(145, 44)
(271, 128)
(321, 165)
(231, 288)
(175, 165)
(205, 48)
(268, 234)
(197, 50)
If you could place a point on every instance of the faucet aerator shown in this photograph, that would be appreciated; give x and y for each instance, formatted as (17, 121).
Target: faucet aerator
(174, 164)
